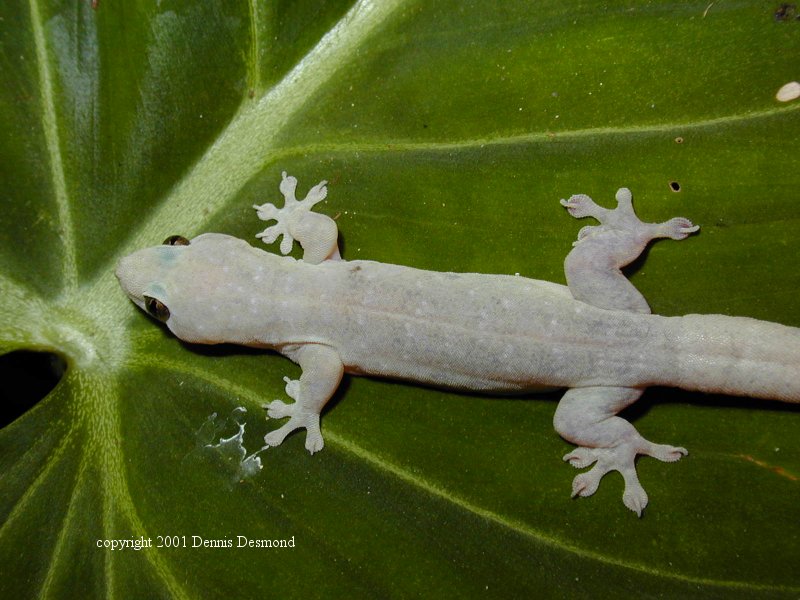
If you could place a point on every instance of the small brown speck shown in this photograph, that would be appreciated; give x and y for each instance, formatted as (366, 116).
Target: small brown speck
(785, 12)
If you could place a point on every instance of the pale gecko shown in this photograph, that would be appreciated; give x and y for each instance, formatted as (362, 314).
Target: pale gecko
(464, 331)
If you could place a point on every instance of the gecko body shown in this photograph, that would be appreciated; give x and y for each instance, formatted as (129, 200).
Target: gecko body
(468, 331)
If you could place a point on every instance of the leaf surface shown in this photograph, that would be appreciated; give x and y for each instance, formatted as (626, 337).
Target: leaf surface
(448, 132)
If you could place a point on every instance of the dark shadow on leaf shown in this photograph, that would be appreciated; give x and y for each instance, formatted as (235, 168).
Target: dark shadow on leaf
(225, 350)
(656, 396)
(632, 268)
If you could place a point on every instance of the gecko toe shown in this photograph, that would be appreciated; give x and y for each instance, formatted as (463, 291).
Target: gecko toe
(586, 484)
(581, 457)
(275, 438)
(581, 486)
(635, 499)
(679, 228)
(314, 442)
(278, 409)
(665, 452)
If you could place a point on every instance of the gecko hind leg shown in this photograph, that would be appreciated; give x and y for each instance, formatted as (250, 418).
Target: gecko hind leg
(587, 417)
(593, 268)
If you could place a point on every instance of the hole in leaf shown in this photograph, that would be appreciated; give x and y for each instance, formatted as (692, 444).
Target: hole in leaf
(675, 186)
(26, 378)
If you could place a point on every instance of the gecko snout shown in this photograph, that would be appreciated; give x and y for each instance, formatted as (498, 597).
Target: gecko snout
(130, 277)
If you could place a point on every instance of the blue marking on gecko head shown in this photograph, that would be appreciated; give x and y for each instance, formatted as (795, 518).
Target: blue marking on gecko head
(156, 290)
(145, 272)
(167, 254)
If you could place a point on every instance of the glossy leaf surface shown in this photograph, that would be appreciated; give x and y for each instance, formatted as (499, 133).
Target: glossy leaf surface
(448, 132)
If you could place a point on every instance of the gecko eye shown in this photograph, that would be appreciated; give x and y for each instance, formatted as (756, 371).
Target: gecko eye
(176, 240)
(156, 308)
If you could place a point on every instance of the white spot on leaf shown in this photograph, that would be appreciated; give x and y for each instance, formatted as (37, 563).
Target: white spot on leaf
(790, 91)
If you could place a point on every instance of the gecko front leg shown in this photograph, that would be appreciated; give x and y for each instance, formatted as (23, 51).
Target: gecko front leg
(322, 372)
(316, 233)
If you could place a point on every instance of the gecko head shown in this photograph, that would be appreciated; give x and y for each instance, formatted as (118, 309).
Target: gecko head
(143, 274)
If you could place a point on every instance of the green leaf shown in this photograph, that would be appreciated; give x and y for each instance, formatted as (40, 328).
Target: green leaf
(448, 132)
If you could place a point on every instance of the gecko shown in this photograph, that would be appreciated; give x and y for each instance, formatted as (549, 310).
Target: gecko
(493, 334)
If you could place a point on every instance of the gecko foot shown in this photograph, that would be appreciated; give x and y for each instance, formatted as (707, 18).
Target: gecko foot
(623, 219)
(289, 217)
(619, 458)
(297, 420)
(278, 409)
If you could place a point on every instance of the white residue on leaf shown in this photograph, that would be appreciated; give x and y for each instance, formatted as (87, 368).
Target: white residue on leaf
(231, 449)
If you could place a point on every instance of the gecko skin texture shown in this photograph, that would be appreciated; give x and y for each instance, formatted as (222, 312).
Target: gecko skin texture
(466, 331)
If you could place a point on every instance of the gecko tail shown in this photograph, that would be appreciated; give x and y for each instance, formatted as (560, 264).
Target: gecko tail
(738, 356)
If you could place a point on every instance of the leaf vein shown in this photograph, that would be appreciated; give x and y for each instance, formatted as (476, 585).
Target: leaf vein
(53, 461)
(53, 143)
(253, 64)
(532, 137)
(62, 537)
